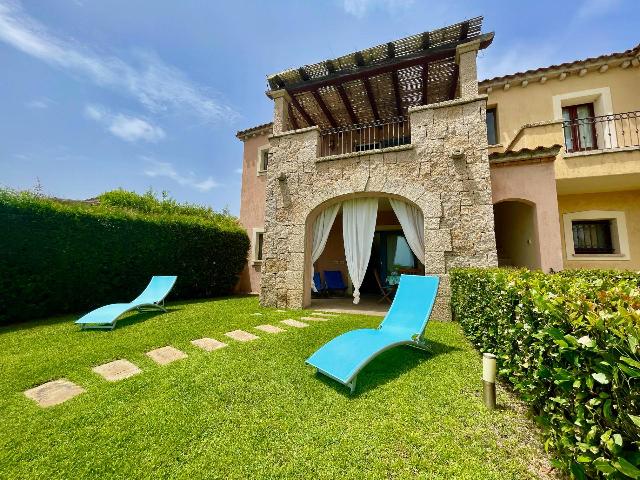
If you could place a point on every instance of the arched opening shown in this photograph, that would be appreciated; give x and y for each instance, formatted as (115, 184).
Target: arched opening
(391, 256)
(516, 234)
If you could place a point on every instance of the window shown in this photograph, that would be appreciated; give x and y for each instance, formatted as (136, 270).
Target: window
(596, 235)
(258, 244)
(492, 126)
(263, 160)
(592, 236)
(579, 127)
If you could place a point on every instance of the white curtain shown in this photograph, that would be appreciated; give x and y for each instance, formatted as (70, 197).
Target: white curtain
(321, 229)
(412, 223)
(358, 228)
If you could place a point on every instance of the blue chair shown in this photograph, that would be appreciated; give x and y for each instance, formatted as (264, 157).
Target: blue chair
(317, 282)
(334, 282)
(152, 298)
(343, 357)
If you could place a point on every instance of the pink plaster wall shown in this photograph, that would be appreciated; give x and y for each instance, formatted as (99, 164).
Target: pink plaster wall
(534, 183)
(252, 199)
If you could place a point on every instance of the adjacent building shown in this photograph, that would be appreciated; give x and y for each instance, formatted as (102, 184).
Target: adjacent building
(538, 169)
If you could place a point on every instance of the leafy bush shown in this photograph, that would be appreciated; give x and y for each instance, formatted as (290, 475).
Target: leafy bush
(58, 257)
(568, 344)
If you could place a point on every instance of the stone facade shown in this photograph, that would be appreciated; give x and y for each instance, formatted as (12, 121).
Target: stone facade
(444, 171)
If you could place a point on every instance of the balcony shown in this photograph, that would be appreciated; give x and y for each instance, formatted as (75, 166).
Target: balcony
(364, 137)
(602, 154)
(605, 132)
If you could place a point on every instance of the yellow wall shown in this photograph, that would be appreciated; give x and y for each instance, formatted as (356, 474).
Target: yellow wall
(628, 202)
(519, 105)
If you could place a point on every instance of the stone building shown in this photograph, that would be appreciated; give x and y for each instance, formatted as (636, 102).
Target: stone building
(404, 123)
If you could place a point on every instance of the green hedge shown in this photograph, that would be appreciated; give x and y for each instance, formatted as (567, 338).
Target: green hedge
(58, 257)
(568, 344)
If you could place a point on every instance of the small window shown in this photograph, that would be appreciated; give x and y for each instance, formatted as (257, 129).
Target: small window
(263, 160)
(258, 245)
(579, 128)
(592, 236)
(492, 126)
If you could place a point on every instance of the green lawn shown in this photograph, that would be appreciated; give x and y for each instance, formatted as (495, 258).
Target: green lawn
(252, 410)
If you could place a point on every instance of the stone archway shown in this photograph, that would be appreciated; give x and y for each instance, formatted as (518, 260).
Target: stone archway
(309, 231)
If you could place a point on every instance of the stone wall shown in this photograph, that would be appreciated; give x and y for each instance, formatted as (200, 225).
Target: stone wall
(445, 172)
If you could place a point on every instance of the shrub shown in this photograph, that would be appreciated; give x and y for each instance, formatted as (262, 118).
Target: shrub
(568, 344)
(58, 257)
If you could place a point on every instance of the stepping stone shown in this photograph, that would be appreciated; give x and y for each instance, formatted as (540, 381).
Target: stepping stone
(294, 323)
(322, 314)
(165, 355)
(257, 314)
(281, 311)
(314, 319)
(241, 336)
(54, 392)
(116, 370)
(270, 329)
(208, 344)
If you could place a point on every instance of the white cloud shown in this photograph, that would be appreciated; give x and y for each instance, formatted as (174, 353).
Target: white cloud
(39, 103)
(125, 127)
(156, 85)
(596, 8)
(359, 8)
(156, 168)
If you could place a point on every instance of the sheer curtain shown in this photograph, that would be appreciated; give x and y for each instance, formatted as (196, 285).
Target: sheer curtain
(321, 228)
(412, 223)
(358, 228)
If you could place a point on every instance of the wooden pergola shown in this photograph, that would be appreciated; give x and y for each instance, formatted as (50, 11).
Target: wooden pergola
(380, 82)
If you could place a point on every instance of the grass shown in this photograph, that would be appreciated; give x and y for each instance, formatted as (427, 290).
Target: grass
(252, 410)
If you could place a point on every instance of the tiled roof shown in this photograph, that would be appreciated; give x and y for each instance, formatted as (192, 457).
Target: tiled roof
(563, 66)
(253, 131)
(525, 154)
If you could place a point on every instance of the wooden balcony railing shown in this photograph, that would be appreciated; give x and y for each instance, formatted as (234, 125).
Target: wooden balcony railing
(618, 130)
(363, 137)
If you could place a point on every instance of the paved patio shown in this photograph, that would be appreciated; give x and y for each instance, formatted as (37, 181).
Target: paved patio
(368, 305)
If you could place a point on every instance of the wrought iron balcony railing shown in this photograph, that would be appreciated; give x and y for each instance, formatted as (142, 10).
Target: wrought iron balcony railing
(604, 132)
(363, 137)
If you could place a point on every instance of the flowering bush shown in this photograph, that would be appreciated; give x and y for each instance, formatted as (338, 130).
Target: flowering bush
(568, 343)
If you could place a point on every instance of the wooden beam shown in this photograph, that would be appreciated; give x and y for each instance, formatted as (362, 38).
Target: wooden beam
(437, 53)
(454, 82)
(425, 83)
(464, 31)
(331, 68)
(325, 110)
(294, 122)
(372, 100)
(396, 92)
(359, 59)
(391, 50)
(426, 41)
(347, 104)
(301, 111)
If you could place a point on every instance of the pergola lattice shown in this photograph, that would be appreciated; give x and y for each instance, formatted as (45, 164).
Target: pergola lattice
(379, 82)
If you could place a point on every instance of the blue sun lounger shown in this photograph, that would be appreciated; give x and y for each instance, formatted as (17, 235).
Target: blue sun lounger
(152, 298)
(343, 357)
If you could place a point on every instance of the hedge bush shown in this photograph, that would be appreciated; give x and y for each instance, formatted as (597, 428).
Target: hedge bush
(568, 344)
(58, 257)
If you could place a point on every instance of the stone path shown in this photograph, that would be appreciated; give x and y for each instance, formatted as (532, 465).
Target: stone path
(294, 323)
(117, 370)
(165, 355)
(58, 391)
(241, 336)
(54, 392)
(270, 329)
(314, 319)
(208, 344)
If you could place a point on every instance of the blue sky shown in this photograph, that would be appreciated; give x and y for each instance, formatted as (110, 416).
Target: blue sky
(97, 95)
